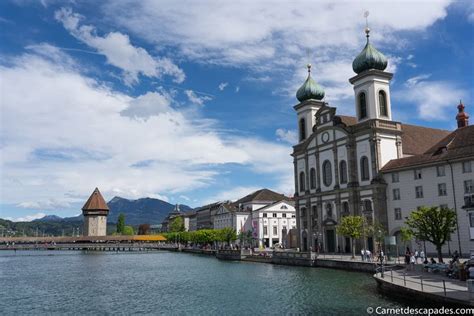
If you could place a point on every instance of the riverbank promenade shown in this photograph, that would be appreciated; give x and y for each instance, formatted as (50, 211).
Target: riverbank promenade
(423, 284)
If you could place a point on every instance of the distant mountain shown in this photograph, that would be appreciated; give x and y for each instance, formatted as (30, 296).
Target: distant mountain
(145, 210)
(49, 218)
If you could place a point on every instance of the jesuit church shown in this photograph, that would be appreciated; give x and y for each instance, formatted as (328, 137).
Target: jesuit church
(372, 166)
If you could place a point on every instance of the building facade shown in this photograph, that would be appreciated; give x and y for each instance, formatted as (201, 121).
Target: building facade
(339, 160)
(272, 223)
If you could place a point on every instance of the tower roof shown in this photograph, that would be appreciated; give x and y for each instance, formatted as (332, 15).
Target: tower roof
(310, 89)
(369, 58)
(95, 202)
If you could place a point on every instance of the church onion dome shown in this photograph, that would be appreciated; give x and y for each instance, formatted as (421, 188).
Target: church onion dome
(310, 89)
(369, 58)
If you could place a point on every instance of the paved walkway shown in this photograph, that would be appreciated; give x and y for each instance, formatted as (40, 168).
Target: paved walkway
(431, 283)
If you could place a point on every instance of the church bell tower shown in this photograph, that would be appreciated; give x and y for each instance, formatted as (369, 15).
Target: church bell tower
(371, 84)
(310, 95)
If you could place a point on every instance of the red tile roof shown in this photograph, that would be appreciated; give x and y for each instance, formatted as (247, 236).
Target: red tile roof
(456, 145)
(95, 202)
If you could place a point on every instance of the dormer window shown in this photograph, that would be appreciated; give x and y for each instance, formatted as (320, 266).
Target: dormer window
(362, 106)
(383, 103)
(302, 129)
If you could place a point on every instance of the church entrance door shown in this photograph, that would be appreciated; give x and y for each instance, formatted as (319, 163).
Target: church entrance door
(331, 240)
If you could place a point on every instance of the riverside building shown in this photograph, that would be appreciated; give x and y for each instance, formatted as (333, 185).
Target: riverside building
(373, 166)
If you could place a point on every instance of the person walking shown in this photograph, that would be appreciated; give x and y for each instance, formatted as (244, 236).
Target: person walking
(417, 255)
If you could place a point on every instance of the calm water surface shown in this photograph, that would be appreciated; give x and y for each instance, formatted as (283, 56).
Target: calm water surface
(43, 282)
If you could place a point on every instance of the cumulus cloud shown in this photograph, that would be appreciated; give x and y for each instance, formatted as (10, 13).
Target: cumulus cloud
(276, 41)
(118, 50)
(431, 98)
(223, 85)
(176, 150)
(288, 136)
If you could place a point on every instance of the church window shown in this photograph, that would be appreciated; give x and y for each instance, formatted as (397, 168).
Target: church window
(364, 168)
(327, 173)
(343, 171)
(302, 129)
(315, 211)
(368, 205)
(383, 103)
(345, 207)
(302, 181)
(312, 178)
(329, 210)
(362, 106)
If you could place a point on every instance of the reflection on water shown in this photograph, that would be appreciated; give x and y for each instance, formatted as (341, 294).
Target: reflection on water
(39, 282)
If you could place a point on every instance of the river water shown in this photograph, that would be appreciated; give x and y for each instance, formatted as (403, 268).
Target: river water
(60, 282)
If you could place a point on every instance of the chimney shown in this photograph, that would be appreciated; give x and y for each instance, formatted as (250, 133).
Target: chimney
(462, 117)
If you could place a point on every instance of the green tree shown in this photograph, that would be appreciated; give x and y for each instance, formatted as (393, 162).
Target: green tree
(227, 235)
(120, 223)
(176, 224)
(128, 231)
(378, 232)
(433, 224)
(352, 227)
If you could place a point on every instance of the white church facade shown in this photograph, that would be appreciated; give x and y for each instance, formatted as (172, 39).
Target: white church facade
(343, 165)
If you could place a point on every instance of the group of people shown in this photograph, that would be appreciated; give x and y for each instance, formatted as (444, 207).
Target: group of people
(366, 255)
(418, 256)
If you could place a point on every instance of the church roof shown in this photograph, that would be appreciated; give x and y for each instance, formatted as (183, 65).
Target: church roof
(262, 195)
(458, 144)
(95, 202)
(310, 89)
(369, 58)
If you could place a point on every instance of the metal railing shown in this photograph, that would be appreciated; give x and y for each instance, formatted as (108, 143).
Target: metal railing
(383, 270)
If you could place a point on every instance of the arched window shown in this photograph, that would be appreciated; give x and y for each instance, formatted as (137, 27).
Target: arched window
(327, 173)
(302, 181)
(345, 207)
(312, 178)
(302, 129)
(343, 171)
(383, 103)
(329, 210)
(303, 212)
(315, 211)
(364, 168)
(362, 106)
(367, 205)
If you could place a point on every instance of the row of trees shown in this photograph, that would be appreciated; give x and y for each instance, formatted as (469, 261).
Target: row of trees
(203, 236)
(432, 224)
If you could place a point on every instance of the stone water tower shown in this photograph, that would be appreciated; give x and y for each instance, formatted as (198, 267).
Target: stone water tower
(95, 213)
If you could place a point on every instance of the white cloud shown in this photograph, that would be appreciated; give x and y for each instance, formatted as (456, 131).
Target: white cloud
(277, 40)
(223, 85)
(118, 50)
(237, 89)
(413, 81)
(231, 194)
(288, 136)
(431, 98)
(27, 218)
(194, 98)
(48, 204)
(84, 135)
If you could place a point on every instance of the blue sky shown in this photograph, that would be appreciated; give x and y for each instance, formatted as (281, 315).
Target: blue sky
(192, 102)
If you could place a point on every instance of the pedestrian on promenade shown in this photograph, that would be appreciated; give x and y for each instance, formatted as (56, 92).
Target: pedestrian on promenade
(369, 255)
(417, 255)
(423, 257)
(412, 262)
(362, 255)
(407, 256)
